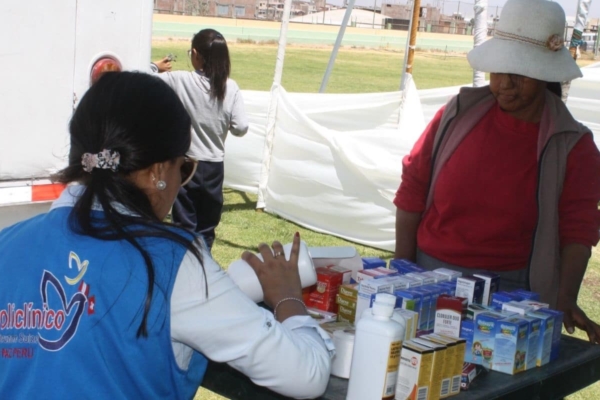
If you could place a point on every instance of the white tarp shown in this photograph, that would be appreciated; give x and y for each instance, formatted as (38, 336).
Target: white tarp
(336, 158)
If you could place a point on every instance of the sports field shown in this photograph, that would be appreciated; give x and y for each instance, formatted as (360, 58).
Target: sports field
(176, 26)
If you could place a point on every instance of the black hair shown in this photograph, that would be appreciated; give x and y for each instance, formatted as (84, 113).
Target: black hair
(211, 45)
(141, 118)
(555, 87)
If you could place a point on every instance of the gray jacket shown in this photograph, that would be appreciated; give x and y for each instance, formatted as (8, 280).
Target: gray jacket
(559, 132)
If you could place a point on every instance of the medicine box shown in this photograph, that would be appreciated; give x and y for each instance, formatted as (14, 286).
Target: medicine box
(469, 373)
(412, 320)
(470, 288)
(450, 286)
(441, 371)
(450, 311)
(370, 286)
(373, 262)
(346, 272)
(404, 266)
(414, 374)
(437, 278)
(527, 295)
(502, 297)
(349, 314)
(367, 274)
(484, 338)
(492, 285)
(455, 349)
(423, 279)
(408, 300)
(474, 309)
(345, 301)
(510, 347)
(349, 290)
(533, 342)
(546, 335)
(426, 307)
(535, 304)
(452, 274)
(517, 307)
(556, 332)
(467, 332)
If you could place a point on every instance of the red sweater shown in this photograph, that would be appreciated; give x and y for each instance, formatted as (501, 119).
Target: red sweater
(484, 209)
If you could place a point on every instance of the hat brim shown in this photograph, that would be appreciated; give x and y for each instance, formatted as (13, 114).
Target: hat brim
(512, 57)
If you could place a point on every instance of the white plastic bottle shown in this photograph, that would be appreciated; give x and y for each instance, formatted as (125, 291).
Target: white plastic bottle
(244, 276)
(376, 355)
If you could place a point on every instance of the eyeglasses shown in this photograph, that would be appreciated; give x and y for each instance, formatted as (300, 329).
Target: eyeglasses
(188, 169)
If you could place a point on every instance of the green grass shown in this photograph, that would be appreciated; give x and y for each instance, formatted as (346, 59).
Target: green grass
(356, 71)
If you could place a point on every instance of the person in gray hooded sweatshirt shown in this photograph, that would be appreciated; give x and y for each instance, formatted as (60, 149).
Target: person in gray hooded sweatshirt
(215, 105)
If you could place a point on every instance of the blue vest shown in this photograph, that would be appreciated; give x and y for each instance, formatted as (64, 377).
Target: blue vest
(70, 306)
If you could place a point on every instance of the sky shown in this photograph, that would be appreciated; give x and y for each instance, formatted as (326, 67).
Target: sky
(466, 7)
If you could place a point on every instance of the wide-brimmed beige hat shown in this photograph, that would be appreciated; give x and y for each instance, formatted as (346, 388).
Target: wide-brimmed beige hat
(528, 41)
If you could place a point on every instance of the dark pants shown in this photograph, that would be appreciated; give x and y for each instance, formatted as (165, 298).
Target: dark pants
(199, 204)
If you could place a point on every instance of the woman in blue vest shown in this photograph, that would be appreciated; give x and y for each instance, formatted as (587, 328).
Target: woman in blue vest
(99, 298)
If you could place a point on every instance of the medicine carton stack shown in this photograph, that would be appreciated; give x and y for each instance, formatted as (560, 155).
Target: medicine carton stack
(457, 327)
(515, 332)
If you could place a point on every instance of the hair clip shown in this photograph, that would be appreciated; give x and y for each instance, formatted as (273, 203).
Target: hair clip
(106, 159)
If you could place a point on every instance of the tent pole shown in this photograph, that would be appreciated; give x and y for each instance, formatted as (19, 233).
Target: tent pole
(272, 111)
(480, 35)
(336, 46)
(409, 54)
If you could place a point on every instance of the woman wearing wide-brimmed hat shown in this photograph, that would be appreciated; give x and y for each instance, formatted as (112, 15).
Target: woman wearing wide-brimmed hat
(504, 179)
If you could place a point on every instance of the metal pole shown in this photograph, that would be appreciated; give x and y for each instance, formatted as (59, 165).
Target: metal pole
(406, 48)
(285, 21)
(273, 104)
(479, 35)
(336, 46)
(410, 55)
(374, 7)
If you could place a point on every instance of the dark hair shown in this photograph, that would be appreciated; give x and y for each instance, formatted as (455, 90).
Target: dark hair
(555, 87)
(142, 118)
(211, 45)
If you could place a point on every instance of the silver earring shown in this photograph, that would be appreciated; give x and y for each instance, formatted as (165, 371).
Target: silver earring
(161, 185)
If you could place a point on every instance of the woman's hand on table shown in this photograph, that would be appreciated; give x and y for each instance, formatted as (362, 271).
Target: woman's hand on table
(575, 317)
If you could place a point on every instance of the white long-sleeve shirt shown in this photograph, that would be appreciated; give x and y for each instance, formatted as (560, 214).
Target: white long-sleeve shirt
(292, 358)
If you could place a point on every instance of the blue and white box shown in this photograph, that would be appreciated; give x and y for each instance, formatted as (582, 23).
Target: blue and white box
(502, 297)
(467, 330)
(484, 338)
(511, 341)
(557, 330)
(546, 335)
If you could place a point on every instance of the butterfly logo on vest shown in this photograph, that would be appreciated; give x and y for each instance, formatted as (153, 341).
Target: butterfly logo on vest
(76, 304)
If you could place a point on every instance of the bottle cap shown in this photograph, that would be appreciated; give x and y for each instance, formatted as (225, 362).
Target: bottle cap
(384, 305)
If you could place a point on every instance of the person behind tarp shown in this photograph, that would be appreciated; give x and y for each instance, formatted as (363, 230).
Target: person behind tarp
(101, 299)
(215, 104)
(504, 179)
